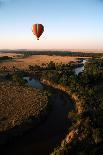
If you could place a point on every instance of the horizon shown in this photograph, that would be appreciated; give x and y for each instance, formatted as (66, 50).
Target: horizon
(59, 50)
(67, 24)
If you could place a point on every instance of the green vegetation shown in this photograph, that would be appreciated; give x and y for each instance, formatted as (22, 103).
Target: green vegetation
(4, 58)
(87, 129)
(27, 54)
(86, 134)
(63, 53)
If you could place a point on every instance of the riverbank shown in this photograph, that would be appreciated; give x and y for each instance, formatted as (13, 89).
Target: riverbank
(79, 108)
(76, 130)
(21, 109)
(85, 131)
(75, 97)
(49, 134)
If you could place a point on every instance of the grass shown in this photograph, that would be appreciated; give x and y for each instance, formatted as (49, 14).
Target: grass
(23, 63)
(18, 103)
(9, 54)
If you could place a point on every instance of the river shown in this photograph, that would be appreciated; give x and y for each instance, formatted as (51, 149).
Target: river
(49, 134)
(33, 83)
(36, 84)
(80, 69)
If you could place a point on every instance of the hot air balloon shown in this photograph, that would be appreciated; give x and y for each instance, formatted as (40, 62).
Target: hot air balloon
(37, 30)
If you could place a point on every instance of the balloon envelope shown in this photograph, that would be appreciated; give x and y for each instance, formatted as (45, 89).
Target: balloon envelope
(37, 30)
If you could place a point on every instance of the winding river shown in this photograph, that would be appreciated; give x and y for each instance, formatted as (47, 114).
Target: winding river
(48, 135)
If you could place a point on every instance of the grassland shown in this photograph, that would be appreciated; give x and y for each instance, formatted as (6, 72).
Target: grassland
(18, 103)
(22, 59)
(23, 63)
(9, 54)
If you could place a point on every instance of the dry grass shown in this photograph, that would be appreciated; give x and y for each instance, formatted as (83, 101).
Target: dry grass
(36, 60)
(9, 54)
(17, 103)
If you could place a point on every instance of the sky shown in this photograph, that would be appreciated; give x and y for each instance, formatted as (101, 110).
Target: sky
(68, 24)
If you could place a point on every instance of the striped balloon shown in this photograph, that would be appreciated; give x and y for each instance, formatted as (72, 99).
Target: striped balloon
(37, 30)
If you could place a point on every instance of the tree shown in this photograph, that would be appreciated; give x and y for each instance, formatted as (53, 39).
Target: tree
(51, 65)
(97, 136)
(31, 68)
(17, 79)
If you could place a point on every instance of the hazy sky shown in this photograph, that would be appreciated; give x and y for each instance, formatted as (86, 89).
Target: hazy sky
(68, 24)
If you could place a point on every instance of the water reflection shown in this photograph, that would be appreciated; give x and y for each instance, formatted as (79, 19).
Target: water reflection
(80, 69)
(33, 82)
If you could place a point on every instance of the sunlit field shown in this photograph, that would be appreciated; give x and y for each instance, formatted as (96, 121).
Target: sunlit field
(23, 63)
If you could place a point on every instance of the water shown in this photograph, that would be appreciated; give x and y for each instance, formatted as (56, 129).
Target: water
(80, 69)
(49, 134)
(33, 83)
(43, 139)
